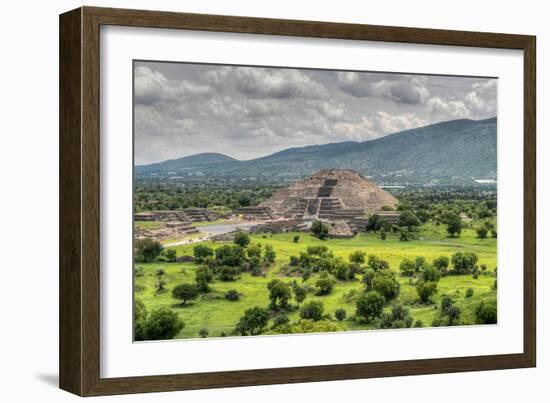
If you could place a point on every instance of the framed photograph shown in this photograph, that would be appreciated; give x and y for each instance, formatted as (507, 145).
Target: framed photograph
(248, 201)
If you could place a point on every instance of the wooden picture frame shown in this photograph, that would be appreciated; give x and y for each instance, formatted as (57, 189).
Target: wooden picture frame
(79, 201)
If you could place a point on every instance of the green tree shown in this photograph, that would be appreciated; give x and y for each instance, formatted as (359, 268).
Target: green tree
(228, 273)
(254, 251)
(279, 294)
(441, 263)
(407, 267)
(430, 273)
(340, 314)
(370, 305)
(319, 229)
(425, 290)
(253, 321)
(377, 264)
(454, 225)
(230, 255)
(269, 254)
(386, 285)
(203, 332)
(486, 313)
(368, 278)
(373, 223)
(482, 232)
(397, 318)
(324, 286)
(147, 249)
(244, 201)
(464, 262)
(201, 252)
(295, 238)
(280, 319)
(242, 239)
(203, 276)
(300, 293)
(162, 324)
(312, 310)
(171, 255)
(408, 219)
(186, 292)
(357, 256)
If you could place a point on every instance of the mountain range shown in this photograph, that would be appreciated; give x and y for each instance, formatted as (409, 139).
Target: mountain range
(453, 152)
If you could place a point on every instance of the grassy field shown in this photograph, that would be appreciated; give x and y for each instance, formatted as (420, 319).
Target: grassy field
(218, 315)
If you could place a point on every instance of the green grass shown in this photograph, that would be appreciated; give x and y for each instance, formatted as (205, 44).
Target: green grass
(216, 314)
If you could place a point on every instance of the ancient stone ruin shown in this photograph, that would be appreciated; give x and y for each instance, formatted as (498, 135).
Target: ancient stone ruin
(332, 194)
(171, 223)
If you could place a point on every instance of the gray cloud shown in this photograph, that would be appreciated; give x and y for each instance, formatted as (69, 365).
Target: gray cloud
(247, 112)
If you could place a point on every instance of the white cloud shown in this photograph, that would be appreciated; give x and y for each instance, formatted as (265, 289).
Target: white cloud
(246, 112)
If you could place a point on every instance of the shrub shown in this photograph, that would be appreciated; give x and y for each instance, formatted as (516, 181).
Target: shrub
(160, 272)
(408, 219)
(162, 324)
(482, 232)
(398, 318)
(377, 264)
(357, 256)
(159, 286)
(269, 254)
(370, 305)
(295, 238)
(147, 249)
(203, 332)
(420, 263)
(242, 239)
(228, 273)
(418, 323)
(228, 255)
(386, 285)
(232, 295)
(312, 310)
(185, 292)
(201, 252)
(254, 251)
(203, 276)
(253, 321)
(464, 262)
(324, 286)
(425, 290)
(140, 311)
(486, 313)
(441, 263)
(319, 229)
(469, 293)
(407, 267)
(171, 255)
(454, 225)
(340, 314)
(280, 319)
(279, 293)
(300, 294)
(343, 271)
(310, 326)
(430, 274)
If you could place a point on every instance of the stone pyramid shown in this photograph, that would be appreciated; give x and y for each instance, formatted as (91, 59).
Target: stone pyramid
(333, 194)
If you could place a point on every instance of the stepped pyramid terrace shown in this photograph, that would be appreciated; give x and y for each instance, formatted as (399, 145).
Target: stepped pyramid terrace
(331, 194)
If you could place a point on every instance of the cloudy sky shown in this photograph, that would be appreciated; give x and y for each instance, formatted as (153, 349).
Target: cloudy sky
(247, 112)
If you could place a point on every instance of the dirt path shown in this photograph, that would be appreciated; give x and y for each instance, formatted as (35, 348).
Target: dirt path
(187, 241)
